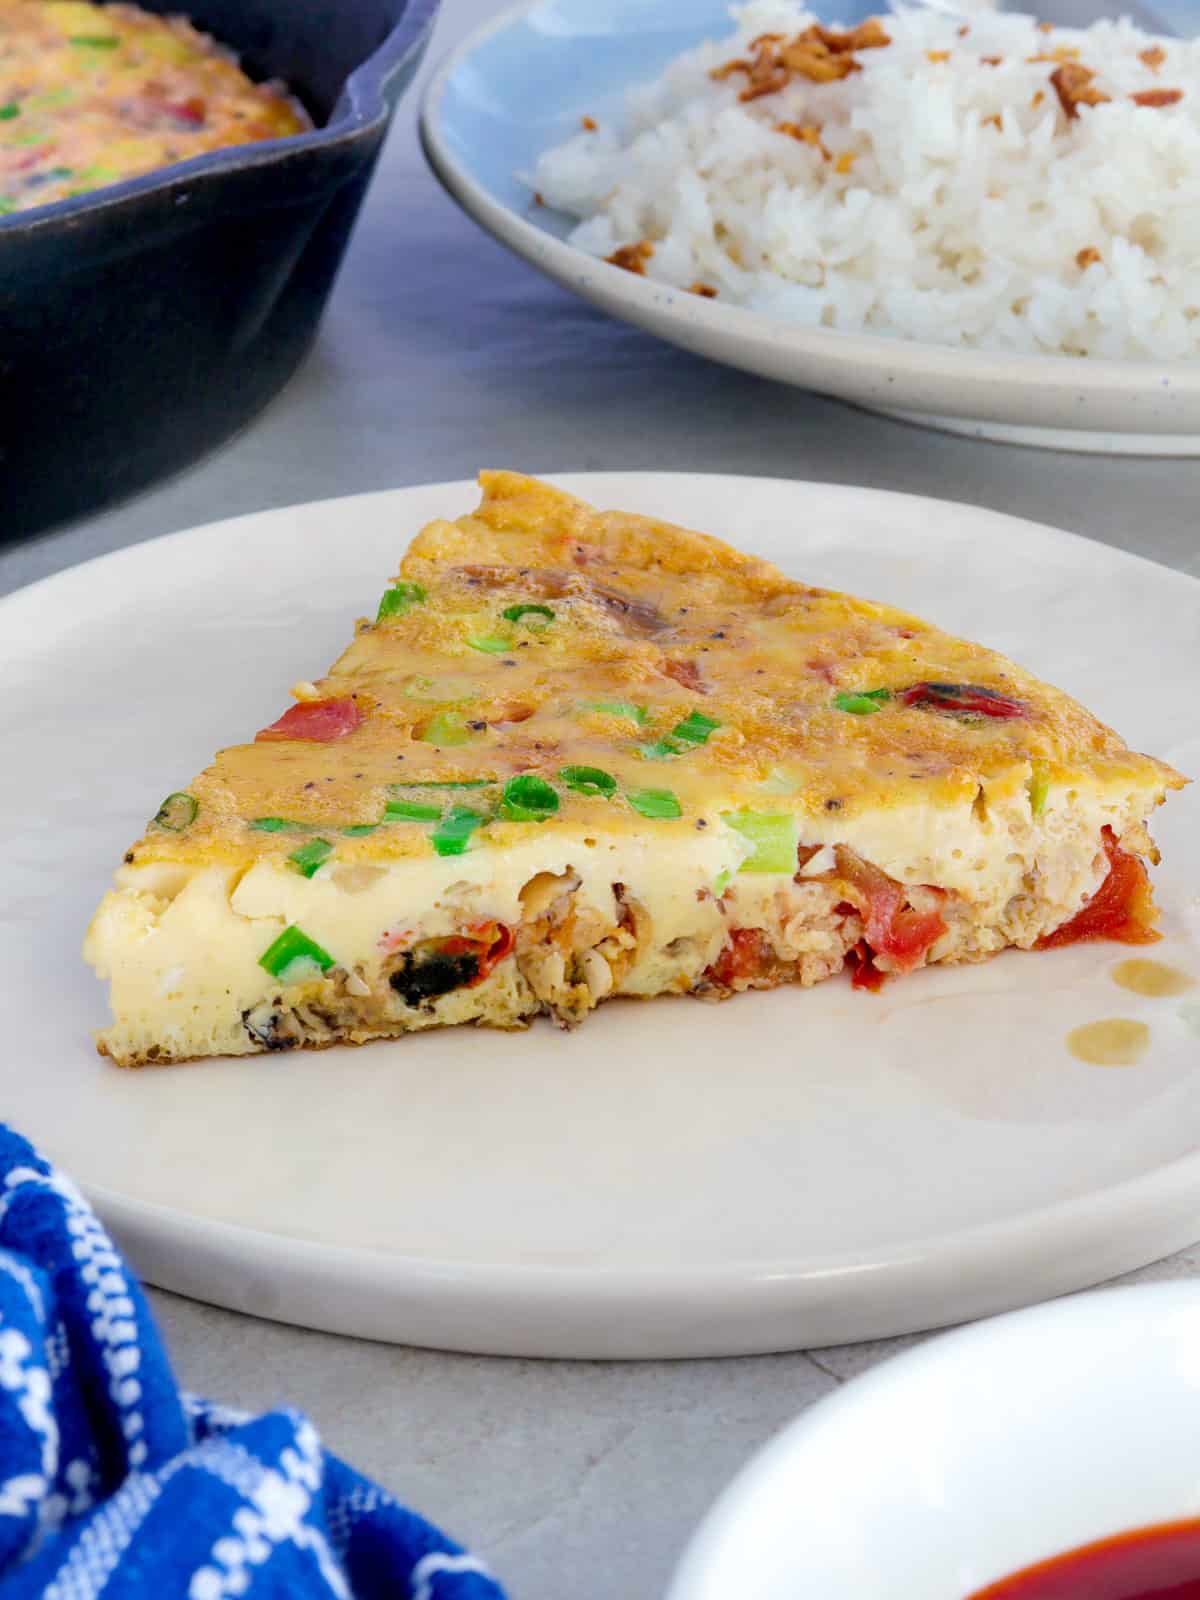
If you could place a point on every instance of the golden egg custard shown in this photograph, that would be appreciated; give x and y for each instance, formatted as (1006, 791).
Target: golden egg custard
(91, 94)
(577, 755)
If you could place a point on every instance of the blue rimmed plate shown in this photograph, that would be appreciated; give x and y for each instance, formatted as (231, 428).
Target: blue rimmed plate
(521, 84)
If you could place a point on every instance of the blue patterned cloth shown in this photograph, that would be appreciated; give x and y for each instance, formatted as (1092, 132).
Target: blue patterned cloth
(113, 1484)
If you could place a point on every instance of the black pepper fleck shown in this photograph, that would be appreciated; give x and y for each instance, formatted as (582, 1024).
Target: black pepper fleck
(833, 805)
(477, 726)
(310, 785)
(700, 823)
(720, 634)
(508, 662)
(129, 858)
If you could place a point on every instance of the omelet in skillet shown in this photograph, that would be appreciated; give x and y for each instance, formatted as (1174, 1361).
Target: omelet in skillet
(577, 755)
(92, 94)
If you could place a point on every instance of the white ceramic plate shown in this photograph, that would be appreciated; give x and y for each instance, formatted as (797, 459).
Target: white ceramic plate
(789, 1169)
(971, 1458)
(520, 84)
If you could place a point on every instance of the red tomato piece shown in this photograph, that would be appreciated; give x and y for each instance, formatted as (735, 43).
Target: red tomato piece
(1122, 908)
(319, 720)
(961, 697)
(747, 954)
(893, 928)
(686, 673)
(864, 973)
(488, 942)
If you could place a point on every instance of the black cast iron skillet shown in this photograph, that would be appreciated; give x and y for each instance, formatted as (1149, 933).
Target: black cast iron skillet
(144, 323)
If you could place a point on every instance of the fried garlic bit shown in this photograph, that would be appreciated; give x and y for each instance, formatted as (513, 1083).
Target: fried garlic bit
(819, 54)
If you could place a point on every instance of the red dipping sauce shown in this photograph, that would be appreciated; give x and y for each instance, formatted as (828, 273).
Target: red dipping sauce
(1161, 1563)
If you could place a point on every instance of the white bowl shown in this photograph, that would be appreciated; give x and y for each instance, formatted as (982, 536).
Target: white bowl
(971, 1457)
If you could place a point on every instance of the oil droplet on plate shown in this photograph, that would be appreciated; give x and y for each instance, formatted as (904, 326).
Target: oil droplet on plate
(1114, 1042)
(1153, 978)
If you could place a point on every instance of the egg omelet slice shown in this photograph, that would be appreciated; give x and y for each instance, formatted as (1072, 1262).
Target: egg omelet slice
(577, 755)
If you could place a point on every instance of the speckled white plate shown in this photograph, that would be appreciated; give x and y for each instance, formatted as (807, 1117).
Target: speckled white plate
(788, 1169)
(520, 84)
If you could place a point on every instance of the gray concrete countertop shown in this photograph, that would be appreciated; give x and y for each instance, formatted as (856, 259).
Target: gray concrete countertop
(440, 354)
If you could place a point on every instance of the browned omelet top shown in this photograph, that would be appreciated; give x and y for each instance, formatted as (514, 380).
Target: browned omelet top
(92, 94)
(663, 661)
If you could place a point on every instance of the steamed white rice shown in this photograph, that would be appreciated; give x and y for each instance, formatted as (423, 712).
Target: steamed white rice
(968, 210)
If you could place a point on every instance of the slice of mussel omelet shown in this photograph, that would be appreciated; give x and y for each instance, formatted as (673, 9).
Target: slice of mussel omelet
(581, 754)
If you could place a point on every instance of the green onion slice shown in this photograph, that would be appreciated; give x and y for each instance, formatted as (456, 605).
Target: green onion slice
(657, 803)
(275, 825)
(359, 830)
(721, 882)
(176, 812)
(401, 597)
(446, 728)
(1039, 789)
(411, 811)
(861, 704)
(588, 780)
(773, 838)
(95, 41)
(12, 109)
(491, 646)
(309, 856)
(695, 728)
(519, 613)
(661, 750)
(528, 799)
(452, 834)
(294, 956)
(686, 735)
(619, 708)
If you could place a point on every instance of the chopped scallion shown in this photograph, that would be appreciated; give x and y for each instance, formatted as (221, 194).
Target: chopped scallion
(773, 838)
(310, 856)
(453, 832)
(360, 830)
(401, 597)
(862, 703)
(491, 646)
(12, 109)
(294, 956)
(661, 750)
(657, 803)
(411, 811)
(1039, 789)
(528, 798)
(519, 613)
(588, 780)
(95, 41)
(619, 708)
(686, 735)
(695, 728)
(176, 812)
(444, 729)
(275, 825)
(721, 882)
